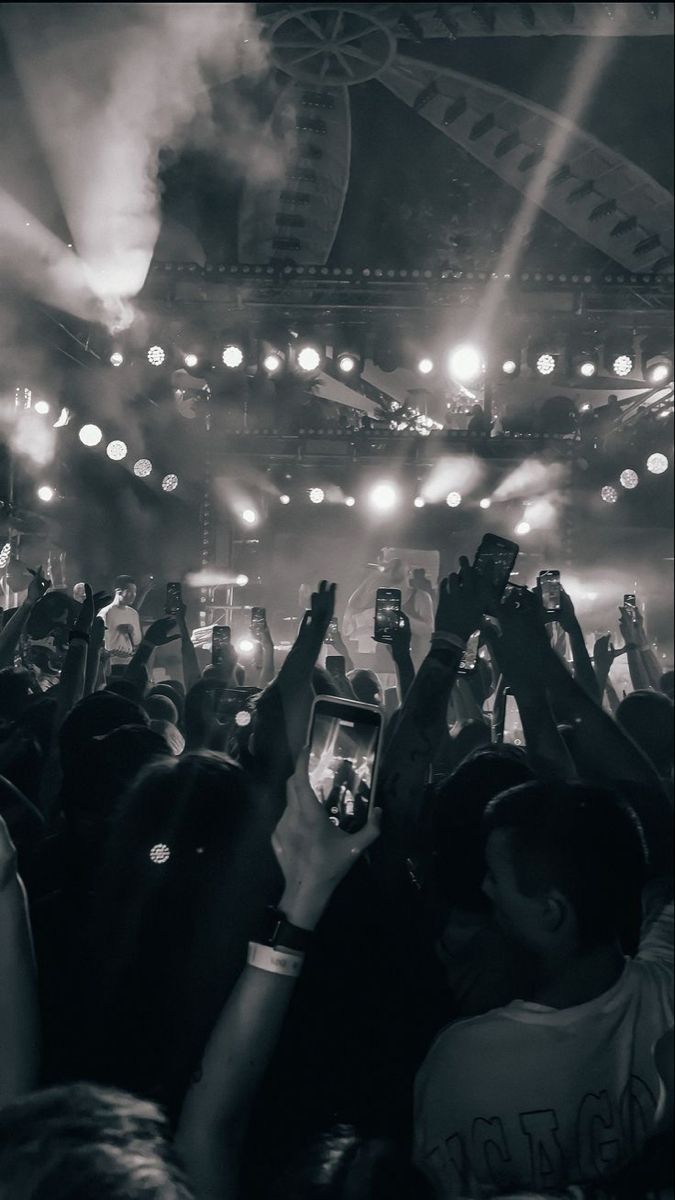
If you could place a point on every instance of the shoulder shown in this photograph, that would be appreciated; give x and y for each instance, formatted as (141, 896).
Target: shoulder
(465, 1042)
(103, 612)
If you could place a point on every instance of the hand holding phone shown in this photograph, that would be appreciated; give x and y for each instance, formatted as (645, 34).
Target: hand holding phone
(344, 748)
(470, 656)
(494, 562)
(222, 637)
(630, 600)
(550, 591)
(387, 614)
(332, 632)
(335, 665)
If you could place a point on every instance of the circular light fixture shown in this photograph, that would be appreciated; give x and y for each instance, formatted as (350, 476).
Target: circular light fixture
(284, 499)
(249, 516)
(233, 357)
(5, 554)
(629, 479)
(384, 497)
(350, 501)
(465, 364)
(241, 580)
(309, 359)
(41, 407)
(156, 356)
(242, 718)
(116, 450)
(246, 646)
(587, 369)
(486, 502)
(509, 366)
(523, 528)
(272, 362)
(419, 502)
(90, 435)
(191, 360)
(545, 364)
(425, 366)
(116, 359)
(45, 493)
(659, 372)
(169, 483)
(346, 363)
(609, 494)
(622, 364)
(316, 495)
(453, 499)
(160, 853)
(657, 464)
(142, 468)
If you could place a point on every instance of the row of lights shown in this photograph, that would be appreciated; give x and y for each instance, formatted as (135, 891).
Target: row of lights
(629, 479)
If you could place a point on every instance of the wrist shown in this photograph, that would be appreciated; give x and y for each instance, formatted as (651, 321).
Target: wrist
(303, 904)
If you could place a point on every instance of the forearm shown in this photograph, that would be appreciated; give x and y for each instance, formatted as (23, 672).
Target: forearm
(583, 667)
(612, 698)
(466, 705)
(651, 668)
(137, 670)
(73, 677)
(405, 673)
(546, 749)
(93, 668)
(638, 675)
(19, 1015)
(9, 638)
(267, 670)
(191, 672)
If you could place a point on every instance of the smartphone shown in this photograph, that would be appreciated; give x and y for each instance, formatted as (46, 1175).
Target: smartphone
(495, 560)
(174, 598)
(335, 665)
(549, 586)
(470, 656)
(331, 632)
(344, 752)
(222, 636)
(513, 726)
(387, 613)
(235, 705)
(258, 621)
(629, 600)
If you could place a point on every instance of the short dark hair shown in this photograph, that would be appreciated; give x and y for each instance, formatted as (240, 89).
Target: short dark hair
(585, 841)
(123, 581)
(647, 717)
(80, 1141)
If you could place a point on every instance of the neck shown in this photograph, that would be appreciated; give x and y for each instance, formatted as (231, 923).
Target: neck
(566, 981)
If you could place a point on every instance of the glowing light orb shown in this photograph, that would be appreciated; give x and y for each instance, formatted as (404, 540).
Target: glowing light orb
(453, 499)
(191, 360)
(523, 528)
(509, 366)
(45, 493)
(243, 718)
(629, 479)
(249, 516)
(346, 364)
(116, 450)
(246, 646)
(233, 357)
(609, 494)
(465, 364)
(659, 372)
(169, 483)
(241, 580)
(657, 464)
(350, 501)
(317, 495)
(587, 369)
(545, 364)
(623, 364)
(90, 435)
(272, 362)
(309, 359)
(419, 502)
(116, 359)
(142, 468)
(384, 497)
(41, 407)
(156, 356)
(284, 499)
(425, 366)
(486, 502)
(159, 853)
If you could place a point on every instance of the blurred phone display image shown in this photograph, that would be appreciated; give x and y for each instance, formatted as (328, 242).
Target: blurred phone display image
(495, 560)
(630, 601)
(234, 706)
(174, 598)
(335, 665)
(344, 745)
(258, 621)
(387, 614)
(549, 583)
(332, 631)
(470, 656)
(222, 637)
(513, 728)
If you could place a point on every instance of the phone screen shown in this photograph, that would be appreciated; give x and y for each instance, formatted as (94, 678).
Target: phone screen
(344, 745)
(258, 620)
(513, 727)
(174, 599)
(234, 706)
(335, 664)
(549, 583)
(470, 656)
(387, 613)
(222, 636)
(629, 600)
(331, 631)
(495, 560)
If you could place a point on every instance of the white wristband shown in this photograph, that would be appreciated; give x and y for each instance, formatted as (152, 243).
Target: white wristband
(451, 639)
(278, 962)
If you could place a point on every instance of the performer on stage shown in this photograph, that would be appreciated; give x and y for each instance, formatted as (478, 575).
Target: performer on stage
(416, 603)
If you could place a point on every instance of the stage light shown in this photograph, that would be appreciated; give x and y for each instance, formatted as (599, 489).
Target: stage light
(116, 359)
(629, 479)
(159, 853)
(453, 499)
(272, 362)
(486, 502)
(317, 495)
(587, 368)
(249, 516)
(241, 580)
(350, 501)
(284, 499)
(346, 363)
(116, 450)
(419, 502)
(191, 360)
(90, 435)
(623, 364)
(156, 356)
(509, 366)
(465, 364)
(308, 359)
(657, 464)
(41, 407)
(384, 497)
(142, 468)
(243, 718)
(169, 483)
(45, 493)
(523, 528)
(5, 554)
(425, 366)
(246, 646)
(545, 364)
(609, 494)
(659, 370)
(233, 357)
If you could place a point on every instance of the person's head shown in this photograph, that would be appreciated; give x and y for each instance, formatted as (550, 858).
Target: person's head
(81, 1142)
(125, 589)
(647, 717)
(365, 686)
(79, 592)
(566, 866)
(93, 717)
(161, 708)
(171, 691)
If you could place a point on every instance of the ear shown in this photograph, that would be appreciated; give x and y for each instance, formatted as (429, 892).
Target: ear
(556, 912)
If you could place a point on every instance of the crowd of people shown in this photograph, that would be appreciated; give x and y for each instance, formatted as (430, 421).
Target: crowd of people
(209, 989)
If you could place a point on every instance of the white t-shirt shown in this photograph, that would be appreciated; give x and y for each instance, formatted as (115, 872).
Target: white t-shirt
(118, 640)
(530, 1097)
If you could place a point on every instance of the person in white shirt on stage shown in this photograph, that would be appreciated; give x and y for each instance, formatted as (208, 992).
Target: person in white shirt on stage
(122, 622)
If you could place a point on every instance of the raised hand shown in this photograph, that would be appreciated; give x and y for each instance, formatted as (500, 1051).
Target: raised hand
(463, 598)
(162, 632)
(313, 853)
(522, 646)
(632, 628)
(101, 600)
(38, 585)
(604, 654)
(85, 617)
(322, 608)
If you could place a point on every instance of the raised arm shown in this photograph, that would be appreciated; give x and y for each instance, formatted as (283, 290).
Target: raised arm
(294, 680)
(191, 671)
(160, 633)
(643, 664)
(314, 857)
(583, 667)
(19, 1013)
(9, 637)
(400, 652)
